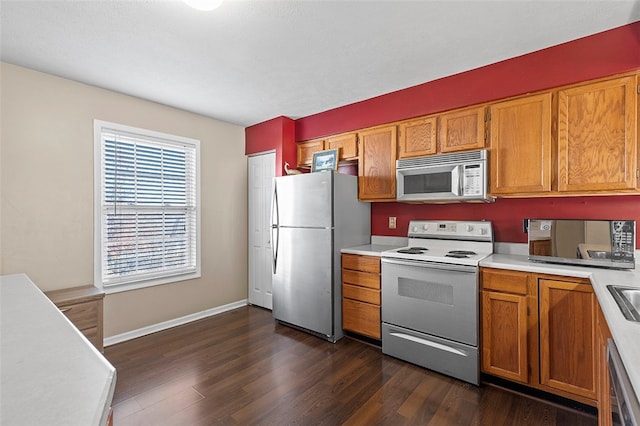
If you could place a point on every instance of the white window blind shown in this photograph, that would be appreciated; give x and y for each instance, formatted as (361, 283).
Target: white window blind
(149, 224)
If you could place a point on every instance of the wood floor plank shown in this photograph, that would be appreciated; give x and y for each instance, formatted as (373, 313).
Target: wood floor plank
(243, 368)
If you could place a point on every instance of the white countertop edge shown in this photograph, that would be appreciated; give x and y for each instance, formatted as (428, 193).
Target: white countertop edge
(626, 334)
(368, 249)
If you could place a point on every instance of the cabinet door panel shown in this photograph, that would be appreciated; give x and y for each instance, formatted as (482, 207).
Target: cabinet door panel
(346, 145)
(377, 164)
(418, 138)
(306, 149)
(504, 336)
(462, 130)
(597, 136)
(567, 337)
(521, 145)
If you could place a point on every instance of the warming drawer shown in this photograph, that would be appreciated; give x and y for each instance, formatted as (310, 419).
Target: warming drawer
(451, 358)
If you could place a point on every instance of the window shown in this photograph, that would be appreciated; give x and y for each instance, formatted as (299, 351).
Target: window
(147, 207)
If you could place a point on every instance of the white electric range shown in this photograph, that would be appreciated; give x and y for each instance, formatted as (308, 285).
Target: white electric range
(430, 296)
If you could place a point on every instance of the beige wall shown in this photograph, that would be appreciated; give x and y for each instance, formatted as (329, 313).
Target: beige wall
(46, 194)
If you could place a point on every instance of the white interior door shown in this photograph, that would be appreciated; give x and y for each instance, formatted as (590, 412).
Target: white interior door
(261, 173)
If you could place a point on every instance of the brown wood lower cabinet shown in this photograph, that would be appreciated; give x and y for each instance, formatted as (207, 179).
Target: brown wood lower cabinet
(540, 330)
(83, 307)
(361, 295)
(505, 326)
(568, 351)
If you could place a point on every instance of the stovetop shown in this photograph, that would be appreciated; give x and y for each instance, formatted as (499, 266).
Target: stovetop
(460, 243)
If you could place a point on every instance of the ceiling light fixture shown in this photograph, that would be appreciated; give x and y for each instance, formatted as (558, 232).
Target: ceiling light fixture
(204, 5)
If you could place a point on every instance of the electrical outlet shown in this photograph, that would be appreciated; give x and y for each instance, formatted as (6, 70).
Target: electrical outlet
(392, 222)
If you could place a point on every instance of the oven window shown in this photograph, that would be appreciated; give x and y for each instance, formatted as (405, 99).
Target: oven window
(424, 290)
(427, 183)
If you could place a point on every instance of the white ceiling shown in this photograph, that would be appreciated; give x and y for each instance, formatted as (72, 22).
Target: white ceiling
(249, 61)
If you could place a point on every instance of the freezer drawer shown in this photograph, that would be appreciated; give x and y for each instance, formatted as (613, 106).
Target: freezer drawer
(444, 356)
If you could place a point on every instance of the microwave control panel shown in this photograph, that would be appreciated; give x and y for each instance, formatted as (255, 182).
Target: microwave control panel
(472, 180)
(622, 239)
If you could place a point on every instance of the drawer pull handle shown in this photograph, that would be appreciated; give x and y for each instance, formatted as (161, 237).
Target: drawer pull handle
(429, 343)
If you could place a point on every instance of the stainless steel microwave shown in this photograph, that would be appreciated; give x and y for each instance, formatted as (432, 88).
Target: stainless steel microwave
(460, 176)
(604, 243)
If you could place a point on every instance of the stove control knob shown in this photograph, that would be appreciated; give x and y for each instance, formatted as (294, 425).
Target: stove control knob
(482, 231)
(425, 227)
(469, 228)
(414, 229)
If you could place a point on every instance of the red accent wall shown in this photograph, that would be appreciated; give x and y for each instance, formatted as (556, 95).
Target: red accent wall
(276, 134)
(507, 214)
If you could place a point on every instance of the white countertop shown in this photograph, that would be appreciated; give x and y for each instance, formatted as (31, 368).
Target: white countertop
(626, 334)
(369, 249)
(49, 372)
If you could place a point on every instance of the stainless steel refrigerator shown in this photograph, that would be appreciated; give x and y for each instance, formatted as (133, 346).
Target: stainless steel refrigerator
(313, 216)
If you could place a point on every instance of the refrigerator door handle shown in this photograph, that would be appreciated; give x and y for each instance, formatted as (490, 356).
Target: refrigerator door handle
(275, 222)
(274, 246)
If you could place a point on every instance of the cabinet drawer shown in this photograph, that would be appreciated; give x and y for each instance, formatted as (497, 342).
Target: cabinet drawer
(92, 335)
(361, 318)
(505, 281)
(82, 315)
(364, 279)
(361, 263)
(361, 294)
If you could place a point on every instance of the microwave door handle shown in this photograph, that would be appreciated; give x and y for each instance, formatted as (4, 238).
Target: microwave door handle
(457, 176)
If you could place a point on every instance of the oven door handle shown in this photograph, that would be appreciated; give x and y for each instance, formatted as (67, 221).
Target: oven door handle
(425, 342)
(431, 265)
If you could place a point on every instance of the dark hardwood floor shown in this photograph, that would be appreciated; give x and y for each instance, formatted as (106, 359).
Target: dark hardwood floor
(241, 368)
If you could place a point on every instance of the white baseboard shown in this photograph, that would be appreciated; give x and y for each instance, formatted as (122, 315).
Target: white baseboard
(119, 338)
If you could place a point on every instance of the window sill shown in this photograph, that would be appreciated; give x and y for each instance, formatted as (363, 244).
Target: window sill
(120, 288)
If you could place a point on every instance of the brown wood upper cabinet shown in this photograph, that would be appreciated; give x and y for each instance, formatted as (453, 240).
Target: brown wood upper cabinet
(377, 164)
(346, 144)
(462, 129)
(458, 130)
(305, 151)
(595, 126)
(520, 157)
(540, 330)
(597, 136)
(418, 137)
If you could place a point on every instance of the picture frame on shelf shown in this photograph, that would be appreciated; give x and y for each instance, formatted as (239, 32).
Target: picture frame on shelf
(325, 160)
